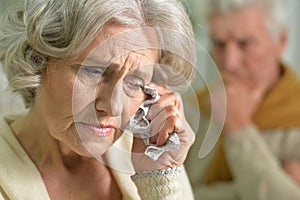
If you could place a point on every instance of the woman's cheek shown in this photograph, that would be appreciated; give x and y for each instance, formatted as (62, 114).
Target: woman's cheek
(82, 96)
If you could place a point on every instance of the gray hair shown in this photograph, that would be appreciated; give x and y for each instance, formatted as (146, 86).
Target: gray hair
(276, 21)
(43, 29)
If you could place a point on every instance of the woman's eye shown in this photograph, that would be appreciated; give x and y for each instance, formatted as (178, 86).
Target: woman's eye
(93, 70)
(133, 86)
(135, 83)
(91, 75)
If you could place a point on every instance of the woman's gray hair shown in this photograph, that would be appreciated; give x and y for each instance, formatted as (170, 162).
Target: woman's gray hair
(276, 20)
(43, 29)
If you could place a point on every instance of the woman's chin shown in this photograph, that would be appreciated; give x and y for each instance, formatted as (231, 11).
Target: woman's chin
(94, 149)
(99, 152)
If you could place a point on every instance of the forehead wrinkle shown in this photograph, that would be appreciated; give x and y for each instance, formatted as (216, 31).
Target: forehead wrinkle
(139, 56)
(131, 63)
(115, 40)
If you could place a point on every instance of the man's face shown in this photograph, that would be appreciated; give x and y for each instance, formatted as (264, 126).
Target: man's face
(244, 48)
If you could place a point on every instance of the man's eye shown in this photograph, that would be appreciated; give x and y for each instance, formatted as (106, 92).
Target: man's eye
(244, 43)
(219, 44)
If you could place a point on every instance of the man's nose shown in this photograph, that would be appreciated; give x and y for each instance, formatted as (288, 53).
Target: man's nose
(110, 98)
(232, 58)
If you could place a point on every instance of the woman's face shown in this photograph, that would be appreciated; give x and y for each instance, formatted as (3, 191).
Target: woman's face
(87, 101)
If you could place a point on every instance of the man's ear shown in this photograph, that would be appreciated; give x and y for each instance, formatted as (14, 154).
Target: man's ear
(282, 42)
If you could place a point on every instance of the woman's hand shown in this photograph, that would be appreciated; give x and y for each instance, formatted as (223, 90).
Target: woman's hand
(167, 117)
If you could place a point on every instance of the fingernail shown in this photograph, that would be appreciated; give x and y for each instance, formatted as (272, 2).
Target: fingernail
(151, 85)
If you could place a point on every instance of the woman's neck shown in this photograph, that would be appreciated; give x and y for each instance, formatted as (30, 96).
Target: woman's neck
(65, 173)
(42, 148)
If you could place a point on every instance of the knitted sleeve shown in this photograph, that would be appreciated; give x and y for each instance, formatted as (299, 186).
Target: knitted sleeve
(163, 185)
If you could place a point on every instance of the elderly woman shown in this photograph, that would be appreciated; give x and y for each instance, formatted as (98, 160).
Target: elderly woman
(84, 68)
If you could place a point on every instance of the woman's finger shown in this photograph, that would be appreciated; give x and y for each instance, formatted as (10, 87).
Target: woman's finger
(165, 123)
(172, 125)
(169, 99)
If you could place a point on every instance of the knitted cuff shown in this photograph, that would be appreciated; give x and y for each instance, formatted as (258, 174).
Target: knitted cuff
(158, 184)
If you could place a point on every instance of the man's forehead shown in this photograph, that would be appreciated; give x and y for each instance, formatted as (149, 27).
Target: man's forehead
(238, 24)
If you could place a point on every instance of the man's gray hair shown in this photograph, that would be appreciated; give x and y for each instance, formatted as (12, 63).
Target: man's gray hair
(275, 11)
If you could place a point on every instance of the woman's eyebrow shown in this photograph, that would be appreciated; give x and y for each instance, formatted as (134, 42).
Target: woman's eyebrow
(95, 62)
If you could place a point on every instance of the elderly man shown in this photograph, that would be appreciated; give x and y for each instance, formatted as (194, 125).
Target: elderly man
(257, 156)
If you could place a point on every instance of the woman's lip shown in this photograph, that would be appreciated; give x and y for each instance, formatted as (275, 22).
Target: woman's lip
(102, 130)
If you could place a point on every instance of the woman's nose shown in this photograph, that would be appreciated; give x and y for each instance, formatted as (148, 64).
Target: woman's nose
(110, 98)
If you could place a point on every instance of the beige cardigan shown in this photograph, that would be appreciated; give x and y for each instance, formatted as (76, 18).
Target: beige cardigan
(20, 179)
(254, 159)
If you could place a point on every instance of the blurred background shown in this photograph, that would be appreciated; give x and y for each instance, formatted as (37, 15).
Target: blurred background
(12, 103)
(292, 54)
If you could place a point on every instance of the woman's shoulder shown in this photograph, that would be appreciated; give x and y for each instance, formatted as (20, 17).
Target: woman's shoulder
(9, 144)
(16, 166)
(5, 121)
